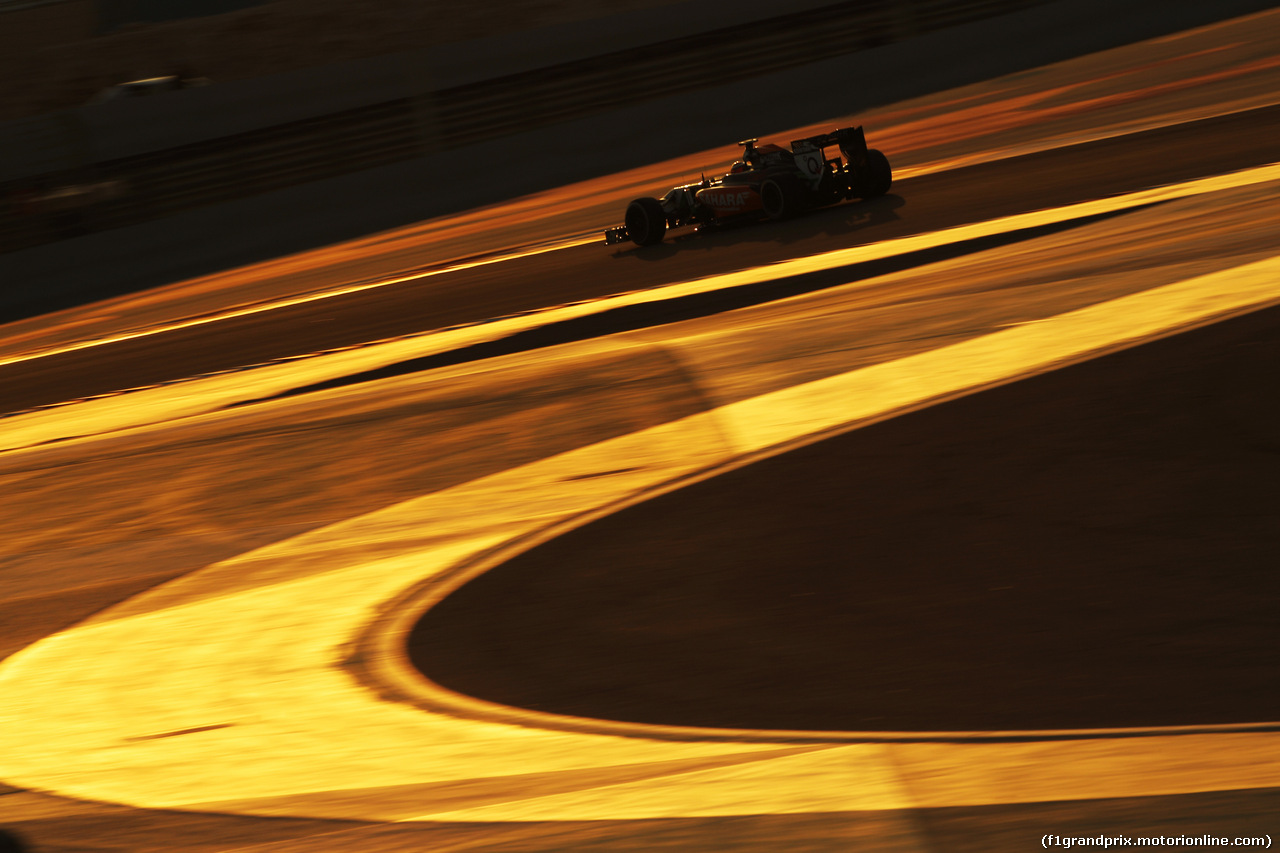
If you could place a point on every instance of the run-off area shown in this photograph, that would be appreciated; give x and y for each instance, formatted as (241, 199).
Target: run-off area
(1092, 547)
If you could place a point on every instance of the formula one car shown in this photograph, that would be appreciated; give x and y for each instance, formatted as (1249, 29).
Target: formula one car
(768, 182)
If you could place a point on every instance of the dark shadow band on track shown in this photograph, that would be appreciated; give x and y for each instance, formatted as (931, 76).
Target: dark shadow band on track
(664, 311)
(940, 200)
(1089, 548)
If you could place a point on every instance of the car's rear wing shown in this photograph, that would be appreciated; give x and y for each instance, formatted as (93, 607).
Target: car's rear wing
(852, 142)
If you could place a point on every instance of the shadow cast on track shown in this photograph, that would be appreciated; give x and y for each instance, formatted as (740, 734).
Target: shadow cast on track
(694, 306)
(839, 221)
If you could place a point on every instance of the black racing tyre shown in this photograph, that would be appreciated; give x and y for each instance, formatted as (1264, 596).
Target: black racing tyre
(877, 176)
(646, 221)
(782, 197)
(10, 842)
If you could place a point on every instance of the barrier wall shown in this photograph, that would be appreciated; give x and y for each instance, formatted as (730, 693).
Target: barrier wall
(20, 5)
(135, 126)
(414, 177)
(131, 160)
(44, 22)
(118, 13)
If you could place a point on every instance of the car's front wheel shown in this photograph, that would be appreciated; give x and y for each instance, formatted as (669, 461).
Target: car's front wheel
(782, 197)
(646, 221)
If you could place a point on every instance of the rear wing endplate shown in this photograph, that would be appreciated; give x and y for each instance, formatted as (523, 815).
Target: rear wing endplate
(851, 140)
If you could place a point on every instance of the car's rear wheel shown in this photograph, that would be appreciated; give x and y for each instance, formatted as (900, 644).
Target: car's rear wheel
(874, 178)
(782, 197)
(646, 221)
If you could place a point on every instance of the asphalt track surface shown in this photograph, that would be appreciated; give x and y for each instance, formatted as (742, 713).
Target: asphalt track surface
(914, 206)
(1139, 413)
(1066, 552)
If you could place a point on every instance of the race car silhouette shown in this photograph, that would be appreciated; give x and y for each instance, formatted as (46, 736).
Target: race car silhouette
(769, 182)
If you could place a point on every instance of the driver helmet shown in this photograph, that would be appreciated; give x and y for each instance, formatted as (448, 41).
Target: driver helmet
(738, 166)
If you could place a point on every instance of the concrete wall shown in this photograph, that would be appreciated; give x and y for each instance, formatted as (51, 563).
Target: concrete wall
(24, 23)
(198, 241)
(117, 13)
(128, 127)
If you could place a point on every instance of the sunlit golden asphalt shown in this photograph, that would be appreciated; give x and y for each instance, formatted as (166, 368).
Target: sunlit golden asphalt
(250, 686)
